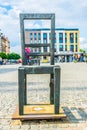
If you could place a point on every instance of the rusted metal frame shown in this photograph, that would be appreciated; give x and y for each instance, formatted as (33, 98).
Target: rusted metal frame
(37, 16)
(24, 70)
(22, 40)
(39, 69)
(52, 38)
(52, 58)
(33, 45)
(33, 16)
(21, 79)
(40, 54)
(40, 16)
(56, 90)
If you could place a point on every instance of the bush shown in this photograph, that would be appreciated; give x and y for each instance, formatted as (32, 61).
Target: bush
(14, 56)
(3, 55)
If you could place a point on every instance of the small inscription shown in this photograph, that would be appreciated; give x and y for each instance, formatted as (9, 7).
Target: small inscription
(38, 109)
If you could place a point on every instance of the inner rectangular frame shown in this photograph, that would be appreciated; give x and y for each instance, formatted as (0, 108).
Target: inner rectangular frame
(37, 17)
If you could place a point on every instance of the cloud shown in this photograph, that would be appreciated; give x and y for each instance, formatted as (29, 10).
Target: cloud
(2, 10)
(84, 46)
(16, 49)
(83, 40)
(83, 43)
(69, 14)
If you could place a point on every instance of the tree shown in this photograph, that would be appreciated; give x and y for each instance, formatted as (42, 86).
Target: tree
(81, 50)
(86, 55)
(3, 55)
(14, 56)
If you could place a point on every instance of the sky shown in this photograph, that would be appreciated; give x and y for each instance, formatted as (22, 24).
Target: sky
(68, 14)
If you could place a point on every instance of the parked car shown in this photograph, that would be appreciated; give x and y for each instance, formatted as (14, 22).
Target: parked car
(19, 61)
(45, 61)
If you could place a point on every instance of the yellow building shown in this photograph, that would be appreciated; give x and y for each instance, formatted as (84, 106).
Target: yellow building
(72, 40)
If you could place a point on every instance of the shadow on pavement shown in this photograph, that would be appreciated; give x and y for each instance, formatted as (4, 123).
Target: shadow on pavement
(75, 115)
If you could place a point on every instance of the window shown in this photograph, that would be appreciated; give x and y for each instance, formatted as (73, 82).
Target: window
(31, 36)
(49, 35)
(35, 35)
(31, 40)
(65, 47)
(60, 37)
(76, 37)
(61, 48)
(65, 37)
(35, 41)
(72, 48)
(39, 49)
(76, 48)
(39, 36)
(39, 41)
(35, 50)
(71, 38)
(44, 35)
(45, 49)
(45, 41)
(54, 48)
(55, 38)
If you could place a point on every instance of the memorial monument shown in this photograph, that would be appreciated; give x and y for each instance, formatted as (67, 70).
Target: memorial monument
(51, 111)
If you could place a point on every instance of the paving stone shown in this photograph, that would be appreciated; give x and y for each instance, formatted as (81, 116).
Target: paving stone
(73, 97)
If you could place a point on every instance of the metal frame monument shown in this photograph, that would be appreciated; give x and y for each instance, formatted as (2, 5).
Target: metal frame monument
(25, 111)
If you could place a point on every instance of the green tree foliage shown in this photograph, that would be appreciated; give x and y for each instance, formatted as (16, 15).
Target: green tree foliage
(86, 55)
(14, 56)
(81, 50)
(3, 55)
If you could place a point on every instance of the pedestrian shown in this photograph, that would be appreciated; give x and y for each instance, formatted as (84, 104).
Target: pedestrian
(0, 60)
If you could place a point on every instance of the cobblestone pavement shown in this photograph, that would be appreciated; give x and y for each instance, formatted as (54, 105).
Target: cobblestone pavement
(73, 98)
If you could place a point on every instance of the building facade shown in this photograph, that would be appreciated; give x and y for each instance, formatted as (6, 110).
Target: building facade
(4, 44)
(67, 42)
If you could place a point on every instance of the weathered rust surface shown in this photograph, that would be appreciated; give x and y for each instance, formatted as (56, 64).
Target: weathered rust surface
(46, 111)
(55, 92)
(34, 112)
(36, 16)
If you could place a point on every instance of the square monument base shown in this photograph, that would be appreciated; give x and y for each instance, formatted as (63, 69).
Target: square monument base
(36, 112)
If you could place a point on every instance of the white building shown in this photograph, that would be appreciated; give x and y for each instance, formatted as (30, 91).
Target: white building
(67, 42)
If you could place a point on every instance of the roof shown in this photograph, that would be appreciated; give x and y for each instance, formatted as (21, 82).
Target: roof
(47, 29)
